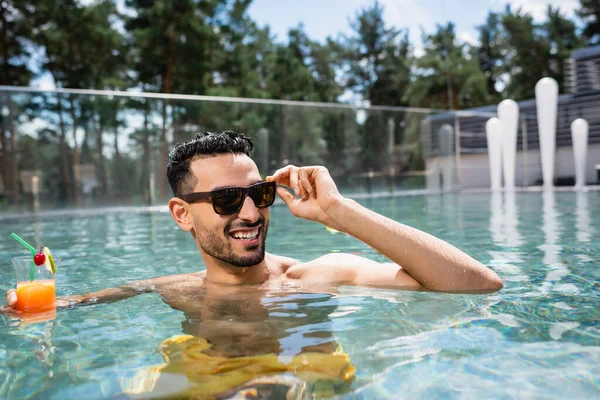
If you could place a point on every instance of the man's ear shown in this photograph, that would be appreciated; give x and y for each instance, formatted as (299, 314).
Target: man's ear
(181, 213)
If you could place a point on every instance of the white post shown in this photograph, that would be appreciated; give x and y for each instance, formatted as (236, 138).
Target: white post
(35, 190)
(579, 134)
(433, 175)
(391, 125)
(152, 188)
(508, 113)
(446, 146)
(546, 99)
(391, 162)
(493, 129)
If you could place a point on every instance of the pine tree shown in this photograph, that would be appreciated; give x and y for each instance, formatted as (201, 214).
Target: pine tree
(590, 14)
(15, 33)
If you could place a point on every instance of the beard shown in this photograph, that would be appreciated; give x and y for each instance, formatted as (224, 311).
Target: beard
(220, 248)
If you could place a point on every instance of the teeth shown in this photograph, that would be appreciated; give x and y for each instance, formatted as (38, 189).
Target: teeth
(246, 235)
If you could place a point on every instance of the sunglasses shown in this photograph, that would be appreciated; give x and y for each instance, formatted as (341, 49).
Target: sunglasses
(229, 201)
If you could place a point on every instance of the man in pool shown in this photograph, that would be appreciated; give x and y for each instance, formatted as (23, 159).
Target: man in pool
(230, 334)
(220, 198)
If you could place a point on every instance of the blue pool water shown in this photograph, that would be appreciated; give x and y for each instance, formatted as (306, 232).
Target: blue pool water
(539, 337)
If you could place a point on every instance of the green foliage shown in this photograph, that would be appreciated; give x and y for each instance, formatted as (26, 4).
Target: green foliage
(490, 52)
(590, 13)
(448, 74)
(533, 51)
(16, 31)
(377, 58)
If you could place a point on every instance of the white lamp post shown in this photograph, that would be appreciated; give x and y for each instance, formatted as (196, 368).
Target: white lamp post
(546, 99)
(579, 134)
(508, 112)
(493, 129)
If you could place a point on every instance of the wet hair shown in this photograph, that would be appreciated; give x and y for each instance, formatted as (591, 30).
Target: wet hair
(204, 145)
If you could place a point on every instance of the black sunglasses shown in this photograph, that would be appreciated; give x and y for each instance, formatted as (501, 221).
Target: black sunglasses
(229, 201)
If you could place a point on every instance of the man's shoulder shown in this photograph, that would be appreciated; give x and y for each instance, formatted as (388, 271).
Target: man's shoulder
(283, 262)
(328, 265)
(335, 259)
(168, 280)
(353, 269)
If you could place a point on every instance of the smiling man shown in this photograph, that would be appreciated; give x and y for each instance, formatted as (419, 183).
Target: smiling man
(222, 201)
(220, 198)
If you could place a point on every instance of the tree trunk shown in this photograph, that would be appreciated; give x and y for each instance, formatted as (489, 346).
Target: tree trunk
(146, 160)
(13, 159)
(5, 154)
(118, 177)
(85, 143)
(76, 174)
(282, 137)
(101, 164)
(163, 152)
(167, 86)
(64, 151)
(175, 115)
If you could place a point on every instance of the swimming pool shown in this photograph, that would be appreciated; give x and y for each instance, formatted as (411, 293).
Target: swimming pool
(537, 338)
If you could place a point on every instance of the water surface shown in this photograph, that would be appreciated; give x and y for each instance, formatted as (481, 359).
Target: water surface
(537, 338)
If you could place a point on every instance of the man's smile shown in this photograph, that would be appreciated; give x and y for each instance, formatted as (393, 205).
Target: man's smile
(247, 236)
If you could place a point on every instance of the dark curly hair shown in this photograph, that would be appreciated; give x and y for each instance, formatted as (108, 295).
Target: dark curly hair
(204, 145)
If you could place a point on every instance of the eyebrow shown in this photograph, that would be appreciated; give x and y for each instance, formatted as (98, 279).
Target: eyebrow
(229, 187)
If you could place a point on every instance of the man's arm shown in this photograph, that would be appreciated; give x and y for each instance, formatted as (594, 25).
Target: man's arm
(109, 295)
(102, 296)
(340, 268)
(433, 263)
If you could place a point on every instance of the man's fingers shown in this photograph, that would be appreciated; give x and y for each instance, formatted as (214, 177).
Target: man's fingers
(280, 173)
(299, 179)
(11, 297)
(281, 176)
(285, 195)
(305, 182)
(294, 181)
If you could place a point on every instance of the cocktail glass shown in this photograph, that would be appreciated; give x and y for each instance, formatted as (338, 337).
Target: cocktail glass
(37, 294)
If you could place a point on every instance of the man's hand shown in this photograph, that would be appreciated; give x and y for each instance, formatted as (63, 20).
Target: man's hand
(11, 298)
(315, 190)
(11, 301)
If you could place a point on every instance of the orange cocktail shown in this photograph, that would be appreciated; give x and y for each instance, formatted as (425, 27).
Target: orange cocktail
(36, 288)
(36, 296)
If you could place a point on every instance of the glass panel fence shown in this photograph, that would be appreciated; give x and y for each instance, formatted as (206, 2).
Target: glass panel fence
(67, 149)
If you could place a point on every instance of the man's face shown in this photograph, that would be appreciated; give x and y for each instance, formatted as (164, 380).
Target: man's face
(237, 239)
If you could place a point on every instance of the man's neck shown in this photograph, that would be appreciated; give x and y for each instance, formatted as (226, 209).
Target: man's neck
(220, 272)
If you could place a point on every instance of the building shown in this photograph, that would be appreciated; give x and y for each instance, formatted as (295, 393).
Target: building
(469, 151)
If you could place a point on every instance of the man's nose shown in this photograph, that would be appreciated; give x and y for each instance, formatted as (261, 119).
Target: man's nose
(249, 211)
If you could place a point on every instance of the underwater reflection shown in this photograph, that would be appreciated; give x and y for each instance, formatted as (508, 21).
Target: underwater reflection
(511, 220)
(582, 218)
(248, 340)
(28, 342)
(504, 230)
(496, 218)
(504, 220)
(556, 270)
